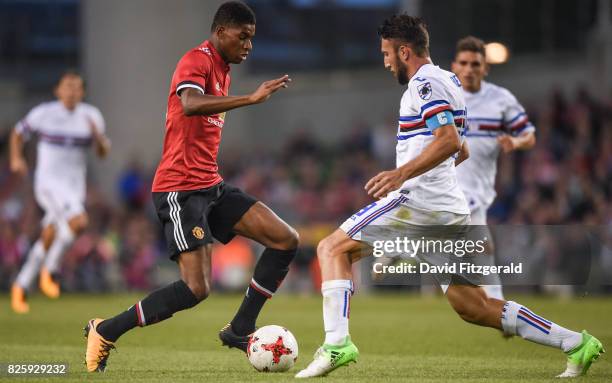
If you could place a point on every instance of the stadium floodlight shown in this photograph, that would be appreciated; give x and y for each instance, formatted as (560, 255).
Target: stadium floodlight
(497, 53)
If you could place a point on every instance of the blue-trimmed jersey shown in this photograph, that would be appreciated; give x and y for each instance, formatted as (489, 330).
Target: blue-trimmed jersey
(493, 111)
(431, 91)
(64, 138)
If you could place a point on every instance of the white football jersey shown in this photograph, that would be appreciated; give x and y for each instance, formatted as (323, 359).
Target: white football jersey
(492, 111)
(64, 137)
(430, 91)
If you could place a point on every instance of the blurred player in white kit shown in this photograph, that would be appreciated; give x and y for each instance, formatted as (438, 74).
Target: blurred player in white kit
(497, 122)
(66, 129)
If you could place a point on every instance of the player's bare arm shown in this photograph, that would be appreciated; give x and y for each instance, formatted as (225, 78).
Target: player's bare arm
(196, 103)
(509, 144)
(445, 144)
(101, 142)
(464, 153)
(18, 163)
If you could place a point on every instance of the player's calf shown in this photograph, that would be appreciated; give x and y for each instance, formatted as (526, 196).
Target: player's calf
(156, 307)
(281, 241)
(334, 254)
(473, 305)
(270, 271)
(160, 304)
(581, 349)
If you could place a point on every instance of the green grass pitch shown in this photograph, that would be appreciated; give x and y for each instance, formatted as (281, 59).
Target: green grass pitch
(402, 338)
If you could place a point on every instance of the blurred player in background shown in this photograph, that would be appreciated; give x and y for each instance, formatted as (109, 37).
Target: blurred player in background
(422, 192)
(192, 201)
(66, 128)
(497, 122)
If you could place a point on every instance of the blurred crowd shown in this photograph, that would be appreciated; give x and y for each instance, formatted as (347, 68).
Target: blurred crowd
(315, 185)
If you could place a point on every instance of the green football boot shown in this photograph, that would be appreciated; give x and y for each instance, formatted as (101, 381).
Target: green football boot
(580, 358)
(329, 357)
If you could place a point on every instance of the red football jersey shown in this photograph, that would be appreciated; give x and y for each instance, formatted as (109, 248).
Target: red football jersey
(191, 144)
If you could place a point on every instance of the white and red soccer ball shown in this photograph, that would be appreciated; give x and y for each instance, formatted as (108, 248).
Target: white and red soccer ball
(272, 349)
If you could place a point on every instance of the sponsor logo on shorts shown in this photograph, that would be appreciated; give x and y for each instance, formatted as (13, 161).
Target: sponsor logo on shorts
(198, 232)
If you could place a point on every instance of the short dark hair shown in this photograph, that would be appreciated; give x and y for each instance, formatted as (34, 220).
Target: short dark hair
(471, 44)
(70, 73)
(408, 29)
(233, 13)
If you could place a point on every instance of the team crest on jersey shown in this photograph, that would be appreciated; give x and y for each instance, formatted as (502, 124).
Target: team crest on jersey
(198, 232)
(218, 87)
(425, 91)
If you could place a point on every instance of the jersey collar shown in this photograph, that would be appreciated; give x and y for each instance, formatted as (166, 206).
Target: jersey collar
(64, 109)
(217, 59)
(416, 74)
(483, 84)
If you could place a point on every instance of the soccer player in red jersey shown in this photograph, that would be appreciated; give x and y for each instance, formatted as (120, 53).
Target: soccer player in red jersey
(192, 201)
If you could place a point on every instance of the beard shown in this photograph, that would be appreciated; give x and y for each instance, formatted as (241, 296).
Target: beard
(402, 72)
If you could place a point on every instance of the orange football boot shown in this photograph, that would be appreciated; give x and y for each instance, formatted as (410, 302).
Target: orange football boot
(98, 348)
(47, 285)
(19, 302)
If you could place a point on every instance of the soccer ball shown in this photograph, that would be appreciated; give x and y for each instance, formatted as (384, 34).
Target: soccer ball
(272, 349)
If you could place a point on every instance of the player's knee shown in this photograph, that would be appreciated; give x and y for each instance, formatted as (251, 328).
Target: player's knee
(200, 289)
(285, 239)
(291, 240)
(325, 248)
(79, 223)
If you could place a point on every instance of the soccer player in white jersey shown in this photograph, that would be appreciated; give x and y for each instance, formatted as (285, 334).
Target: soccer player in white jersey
(422, 191)
(497, 122)
(66, 128)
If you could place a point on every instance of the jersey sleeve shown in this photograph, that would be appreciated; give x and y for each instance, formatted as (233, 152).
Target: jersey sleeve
(433, 101)
(32, 122)
(515, 119)
(439, 119)
(192, 71)
(96, 117)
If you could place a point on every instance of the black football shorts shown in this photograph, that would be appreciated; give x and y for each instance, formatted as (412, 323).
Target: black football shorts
(193, 218)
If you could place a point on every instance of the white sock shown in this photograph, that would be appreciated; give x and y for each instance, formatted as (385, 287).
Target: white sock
(336, 309)
(519, 320)
(29, 270)
(63, 239)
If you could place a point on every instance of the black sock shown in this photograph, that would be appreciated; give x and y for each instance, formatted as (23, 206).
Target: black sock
(156, 307)
(111, 329)
(271, 269)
